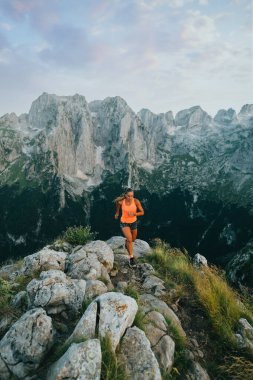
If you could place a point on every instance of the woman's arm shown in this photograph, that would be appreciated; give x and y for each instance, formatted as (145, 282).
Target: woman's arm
(118, 205)
(139, 207)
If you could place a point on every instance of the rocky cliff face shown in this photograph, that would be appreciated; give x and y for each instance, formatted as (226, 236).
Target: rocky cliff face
(88, 141)
(77, 155)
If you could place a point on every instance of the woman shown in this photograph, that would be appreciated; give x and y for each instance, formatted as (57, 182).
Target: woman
(130, 208)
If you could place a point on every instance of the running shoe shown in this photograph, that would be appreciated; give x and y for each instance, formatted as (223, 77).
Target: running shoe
(131, 262)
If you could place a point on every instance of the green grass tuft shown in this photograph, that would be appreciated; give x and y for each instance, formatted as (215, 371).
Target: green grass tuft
(85, 304)
(139, 320)
(131, 291)
(112, 369)
(104, 280)
(78, 235)
(6, 293)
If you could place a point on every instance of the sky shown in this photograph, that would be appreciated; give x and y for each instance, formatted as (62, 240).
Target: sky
(164, 55)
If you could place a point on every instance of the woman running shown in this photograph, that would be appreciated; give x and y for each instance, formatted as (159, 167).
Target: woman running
(130, 208)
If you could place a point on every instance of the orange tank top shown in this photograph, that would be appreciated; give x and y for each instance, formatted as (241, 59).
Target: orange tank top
(125, 218)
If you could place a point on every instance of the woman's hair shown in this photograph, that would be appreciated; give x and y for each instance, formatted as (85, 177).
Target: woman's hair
(122, 196)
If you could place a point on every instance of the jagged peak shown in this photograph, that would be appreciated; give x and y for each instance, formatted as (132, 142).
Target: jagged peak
(9, 116)
(111, 103)
(225, 116)
(192, 110)
(44, 109)
(247, 109)
(46, 99)
(192, 116)
(144, 111)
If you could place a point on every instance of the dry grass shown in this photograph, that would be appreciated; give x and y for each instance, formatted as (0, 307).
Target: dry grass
(237, 368)
(221, 303)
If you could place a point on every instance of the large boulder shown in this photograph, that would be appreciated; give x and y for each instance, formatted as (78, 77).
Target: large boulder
(162, 344)
(153, 284)
(81, 361)
(10, 271)
(199, 260)
(103, 251)
(150, 302)
(55, 292)
(91, 262)
(145, 270)
(138, 358)
(44, 260)
(84, 265)
(117, 244)
(86, 327)
(245, 334)
(25, 345)
(94, 288)
(110, 314)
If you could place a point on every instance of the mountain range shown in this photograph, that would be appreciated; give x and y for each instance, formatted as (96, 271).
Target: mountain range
(65, 161)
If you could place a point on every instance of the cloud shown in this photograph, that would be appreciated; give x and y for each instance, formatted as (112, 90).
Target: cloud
(155, 53)
(199, 30)
(3, 41)
(6, 26)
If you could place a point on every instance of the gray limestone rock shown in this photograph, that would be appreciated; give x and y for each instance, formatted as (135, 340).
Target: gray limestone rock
(245, 336)
(86, 327)
(199, 260)
(94, 288)
(103, 251)
(164, 352)
(197, 372)
(20, 301)
(150, 302)
(141, 248)
(44, 260)
(117, 244)
(154, 285)
(245, 328)
(121, 260)
(122, 285)
(117, 312)
(81, 361)
(138, 358)
(8, 271)
(162, 344)
(106, 278)
(25, 345)
(84, 265)
(111, 313)
(158, 321)
(56, 292)
(145, 269)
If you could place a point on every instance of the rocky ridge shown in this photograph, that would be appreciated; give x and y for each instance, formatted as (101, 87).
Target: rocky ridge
(97, 273)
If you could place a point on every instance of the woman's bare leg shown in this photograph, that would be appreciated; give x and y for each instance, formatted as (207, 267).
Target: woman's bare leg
(134, 234)
(129, 240)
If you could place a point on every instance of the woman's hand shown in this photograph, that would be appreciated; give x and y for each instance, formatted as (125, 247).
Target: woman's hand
(116, 216)
(131, 213)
